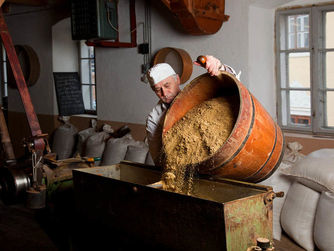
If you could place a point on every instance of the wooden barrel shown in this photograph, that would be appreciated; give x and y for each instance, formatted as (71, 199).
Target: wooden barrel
(253, 150)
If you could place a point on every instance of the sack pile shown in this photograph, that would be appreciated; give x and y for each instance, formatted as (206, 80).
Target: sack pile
(108, 146)
(306, 212)
(64, 139)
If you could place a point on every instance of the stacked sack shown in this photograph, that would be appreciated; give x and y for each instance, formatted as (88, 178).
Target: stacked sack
(83, 136)
(126, 148)
(307, 212)
(64, 139)
(281, 182)
(109, 146)
(95, 144)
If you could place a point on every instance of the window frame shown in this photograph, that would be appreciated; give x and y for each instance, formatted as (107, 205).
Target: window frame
(90, 84)
(317, 69)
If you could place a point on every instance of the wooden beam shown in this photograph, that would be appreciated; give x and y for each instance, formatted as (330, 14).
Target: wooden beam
(167, 3)
(29, 2)
(39, 144)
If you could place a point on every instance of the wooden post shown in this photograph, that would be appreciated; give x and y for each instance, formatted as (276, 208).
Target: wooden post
(39, 144)
(5, 139)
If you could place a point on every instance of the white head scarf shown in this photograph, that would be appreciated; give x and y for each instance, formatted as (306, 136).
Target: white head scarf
(159, 72)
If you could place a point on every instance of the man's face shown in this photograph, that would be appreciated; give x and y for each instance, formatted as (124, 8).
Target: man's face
(167, 89)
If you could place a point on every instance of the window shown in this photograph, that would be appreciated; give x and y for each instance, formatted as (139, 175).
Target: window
(305, 69)
(298, 31)
(87, 76)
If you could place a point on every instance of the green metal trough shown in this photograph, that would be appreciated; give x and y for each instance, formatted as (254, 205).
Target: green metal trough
(221, 214)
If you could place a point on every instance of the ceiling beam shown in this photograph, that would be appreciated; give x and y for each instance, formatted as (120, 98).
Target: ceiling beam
(29, 2)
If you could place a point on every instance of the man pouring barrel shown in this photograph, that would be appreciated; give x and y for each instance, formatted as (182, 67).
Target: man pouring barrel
(166, 85)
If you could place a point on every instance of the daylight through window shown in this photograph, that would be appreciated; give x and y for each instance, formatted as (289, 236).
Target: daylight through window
(305, 63)
(87, 76)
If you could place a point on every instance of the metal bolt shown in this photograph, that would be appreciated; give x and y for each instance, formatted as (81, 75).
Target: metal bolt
(135, 189)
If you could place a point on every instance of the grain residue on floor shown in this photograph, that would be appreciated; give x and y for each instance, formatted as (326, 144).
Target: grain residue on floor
(196, 137)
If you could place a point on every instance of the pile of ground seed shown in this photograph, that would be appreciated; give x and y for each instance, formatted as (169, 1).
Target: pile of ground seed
(196, 137)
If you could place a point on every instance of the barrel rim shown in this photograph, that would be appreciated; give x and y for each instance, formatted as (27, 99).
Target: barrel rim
(207, 162)
(276, 165)
(244, 141)
(248, 125)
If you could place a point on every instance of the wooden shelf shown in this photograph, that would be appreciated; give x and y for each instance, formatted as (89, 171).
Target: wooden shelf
(113, 44)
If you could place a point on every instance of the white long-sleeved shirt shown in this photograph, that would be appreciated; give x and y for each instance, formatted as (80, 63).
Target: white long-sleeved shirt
(154, 126)
(155, 121)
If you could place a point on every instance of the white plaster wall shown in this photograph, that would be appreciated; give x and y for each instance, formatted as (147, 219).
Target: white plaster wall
(245, 42)
(121, 96)
(65, 54)
(261, 60)
(304, 2)
(229, 44)
(120, 93)
(64, 49)
(269, 4)
(262, 79)
(34, 29)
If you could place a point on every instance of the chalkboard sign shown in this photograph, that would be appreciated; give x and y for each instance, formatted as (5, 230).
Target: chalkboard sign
(69, 94)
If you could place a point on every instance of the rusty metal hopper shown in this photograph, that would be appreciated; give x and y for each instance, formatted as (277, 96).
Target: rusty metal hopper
(221, 215)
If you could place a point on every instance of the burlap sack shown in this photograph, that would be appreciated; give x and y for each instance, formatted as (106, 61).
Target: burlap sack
(83, 136)
(137, 152)
(116, 149)
(324, 222)
(64, 139)
(298, 214)
(280, 182)
(96, 143)
(316, 170)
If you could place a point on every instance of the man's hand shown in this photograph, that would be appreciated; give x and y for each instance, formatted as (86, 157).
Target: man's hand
(212, 65)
